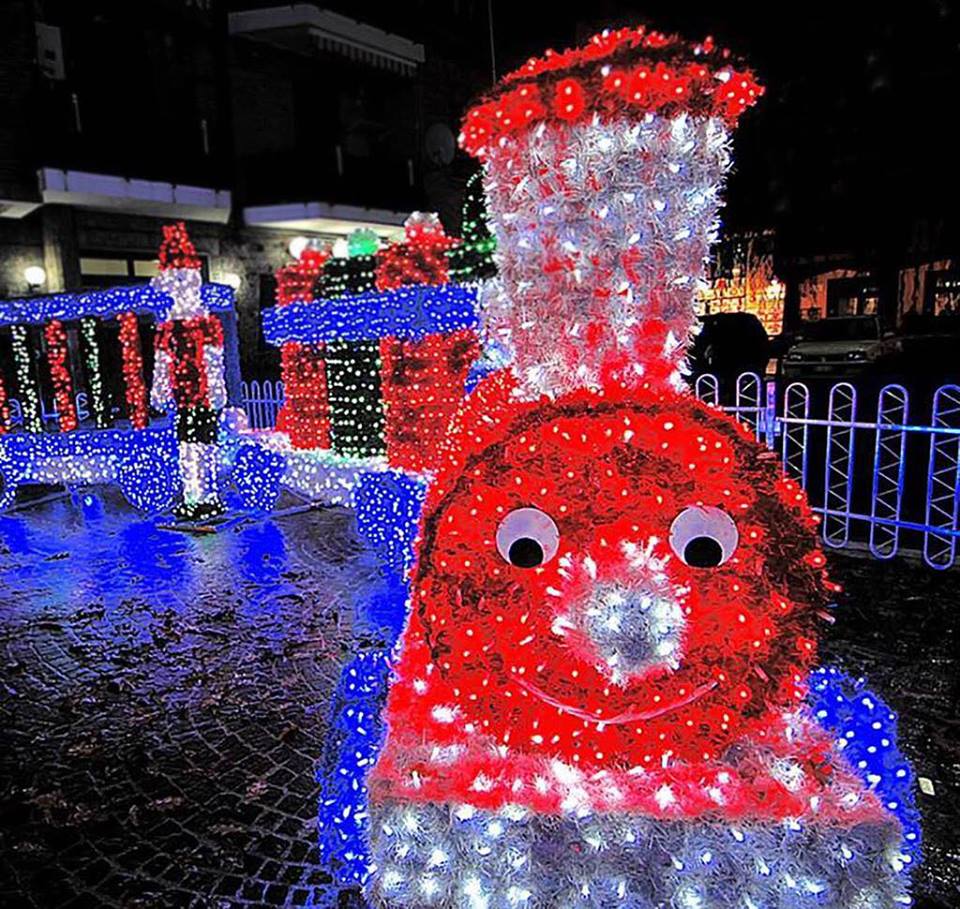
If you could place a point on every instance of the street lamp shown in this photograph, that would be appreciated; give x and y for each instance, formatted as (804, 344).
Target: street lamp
(35, 277)
(297, 246)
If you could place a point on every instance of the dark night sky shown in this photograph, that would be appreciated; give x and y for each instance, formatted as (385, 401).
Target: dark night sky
(853, 141)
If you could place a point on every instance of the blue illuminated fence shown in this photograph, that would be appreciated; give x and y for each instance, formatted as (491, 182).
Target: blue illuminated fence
(262, 402)
(882, 469)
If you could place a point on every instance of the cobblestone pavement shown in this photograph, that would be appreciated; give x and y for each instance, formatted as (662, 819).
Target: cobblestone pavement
(163, 702)
(899, 626)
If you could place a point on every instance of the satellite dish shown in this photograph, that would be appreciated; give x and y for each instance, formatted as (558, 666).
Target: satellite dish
(439, 144)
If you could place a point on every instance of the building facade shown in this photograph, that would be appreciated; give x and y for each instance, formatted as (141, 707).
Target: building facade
(255, 124)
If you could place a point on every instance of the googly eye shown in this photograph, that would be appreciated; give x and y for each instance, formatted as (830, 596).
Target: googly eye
(527, 537)
(704, 536)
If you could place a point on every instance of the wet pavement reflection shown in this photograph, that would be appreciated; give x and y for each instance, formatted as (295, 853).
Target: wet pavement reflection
(164, 700)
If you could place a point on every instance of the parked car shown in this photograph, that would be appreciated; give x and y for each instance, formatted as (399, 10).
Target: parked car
(840, 346)
(728, 344)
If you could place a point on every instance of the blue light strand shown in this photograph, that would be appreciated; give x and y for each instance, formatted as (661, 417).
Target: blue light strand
(257, 473)
(143, 463)
(409, 313)
(388, 508)
(866, 731)
(355, 734)
(142, 298)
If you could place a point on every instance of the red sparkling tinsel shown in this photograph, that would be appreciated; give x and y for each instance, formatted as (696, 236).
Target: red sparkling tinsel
(618, 74)
(184, 341)
(422, 383)
(58, 359)
(135, 389)
(177, 249)
(305, 413)
(613, 470)
(420, 259)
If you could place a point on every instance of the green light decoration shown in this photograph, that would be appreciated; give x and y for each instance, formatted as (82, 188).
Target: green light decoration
(472, 260)
(27, 390)
(362, 242)
(90, 348)
(356, 402)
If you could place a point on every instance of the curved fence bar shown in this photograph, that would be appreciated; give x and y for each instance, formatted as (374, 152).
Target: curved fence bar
(943, 480)
(796, 431)
(262, 402)
(889, 465)
(707, 389)
(838, 485)
(747, 401)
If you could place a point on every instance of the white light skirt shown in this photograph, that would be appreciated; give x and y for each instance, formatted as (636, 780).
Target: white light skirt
(449, 855)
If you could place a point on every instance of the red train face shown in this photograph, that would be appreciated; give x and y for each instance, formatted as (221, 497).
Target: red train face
(618, 563)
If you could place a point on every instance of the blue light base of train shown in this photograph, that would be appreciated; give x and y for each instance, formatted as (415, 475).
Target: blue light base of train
(257, 475)
(353, 741)
(866, 732)
(388, 507)
(143, 463)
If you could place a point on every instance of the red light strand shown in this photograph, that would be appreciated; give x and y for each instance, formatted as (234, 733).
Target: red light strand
(58, 360)
(135, 389)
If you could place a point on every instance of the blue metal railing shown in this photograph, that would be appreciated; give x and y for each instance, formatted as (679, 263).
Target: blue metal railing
(262, 402)
(898, 488)
(885, 483)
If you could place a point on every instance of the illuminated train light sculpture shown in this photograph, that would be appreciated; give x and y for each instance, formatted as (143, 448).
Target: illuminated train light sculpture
(109, 444)
(601, 696)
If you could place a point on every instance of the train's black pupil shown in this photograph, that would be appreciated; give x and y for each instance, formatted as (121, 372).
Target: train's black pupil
(703, 552)
(526, 553)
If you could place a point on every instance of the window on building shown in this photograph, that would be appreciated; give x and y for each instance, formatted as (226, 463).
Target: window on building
(113, 269)
(852, 297)
(941, 292)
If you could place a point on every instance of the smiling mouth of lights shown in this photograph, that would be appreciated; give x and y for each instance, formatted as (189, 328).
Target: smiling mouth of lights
(620, 718)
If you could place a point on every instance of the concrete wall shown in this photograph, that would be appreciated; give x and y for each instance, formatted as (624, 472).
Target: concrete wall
(21, 245)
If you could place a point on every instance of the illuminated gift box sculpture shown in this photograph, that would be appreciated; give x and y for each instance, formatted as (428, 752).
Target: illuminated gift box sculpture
(372, 376)
(601, 696)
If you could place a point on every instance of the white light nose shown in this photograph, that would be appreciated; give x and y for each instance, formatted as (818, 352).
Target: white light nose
(634, 629)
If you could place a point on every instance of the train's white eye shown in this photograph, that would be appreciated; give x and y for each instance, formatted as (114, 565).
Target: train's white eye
(527, 537)
(704, 536)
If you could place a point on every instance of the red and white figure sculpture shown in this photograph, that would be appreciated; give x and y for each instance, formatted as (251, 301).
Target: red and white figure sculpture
(188, 374)
(599, 698)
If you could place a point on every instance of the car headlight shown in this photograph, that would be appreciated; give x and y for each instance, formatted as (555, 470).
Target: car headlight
(795, 357)
(857, 355)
